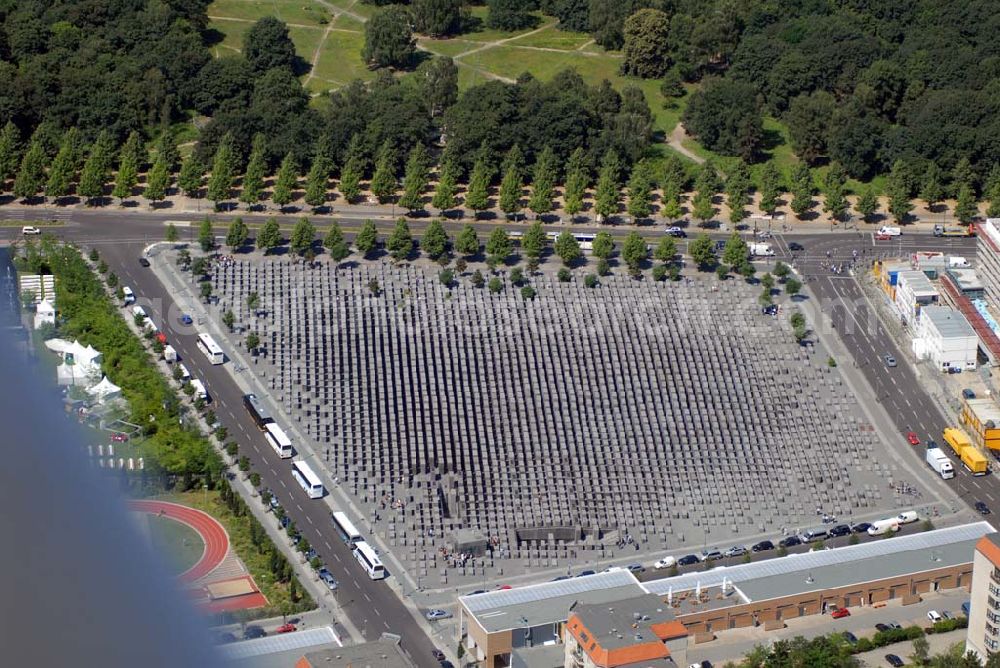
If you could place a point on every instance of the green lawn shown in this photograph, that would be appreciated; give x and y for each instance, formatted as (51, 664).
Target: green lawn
(290, 11)
(553, 38)
(339, 61)
(179, 544)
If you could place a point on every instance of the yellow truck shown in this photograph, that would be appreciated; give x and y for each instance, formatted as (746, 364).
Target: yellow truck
(971, 458)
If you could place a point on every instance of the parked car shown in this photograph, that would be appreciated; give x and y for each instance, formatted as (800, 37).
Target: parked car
(637, 568)
(438, 655)
(861, 527)
(273, 502)
(252, 632)
(894, 625)
(143, 262)
(665, 562)
(912, 438)
(890, 361)
(965, 608)
(735, 551)
(968, 394)
(560, 578)
(840, 530)
(285, 628)
(840, 613)
(982, 508)
(119, 438)
(947, 615)
(763, 546)
(285, 521)
(770, 309)
(850, 637)
(223, 638)
(711, 554)
(586, 572)
(882, 628)
(328, 579)
(933, 616)
(434, 614)
(688, 559)
(894, 660)
(30, 229)
(790, 541)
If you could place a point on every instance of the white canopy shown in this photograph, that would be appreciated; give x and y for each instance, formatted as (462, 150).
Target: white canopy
(105, 390)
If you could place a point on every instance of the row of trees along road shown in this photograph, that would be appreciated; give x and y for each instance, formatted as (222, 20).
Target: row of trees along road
(542, 187)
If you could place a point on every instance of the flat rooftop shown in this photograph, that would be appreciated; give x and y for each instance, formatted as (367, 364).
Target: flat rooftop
(985, 409)
(918, 283)
(278, 651)
(966, 279)
(623, 623)
(949, 322)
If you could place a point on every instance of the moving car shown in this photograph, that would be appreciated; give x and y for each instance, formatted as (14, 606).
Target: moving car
(882, 237)
(665, 562)
(434, 614)
(688, 559)
(912, 438)
(143, 262)
(763, 546)
(676, 232)
(285, 628)
(841, 612)
(30, 229)
(890, 361)
(894, 660)
(982, 508)
(790, 541)
(796, 246)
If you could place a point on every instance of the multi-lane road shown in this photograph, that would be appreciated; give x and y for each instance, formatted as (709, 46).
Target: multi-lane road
(373, 607)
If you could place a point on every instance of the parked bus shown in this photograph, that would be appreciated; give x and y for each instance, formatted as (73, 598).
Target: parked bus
(586, 241)
(279, 441)
(366, 556)
(261, 416)
(346, 529)
(211, 349)
(308, 480)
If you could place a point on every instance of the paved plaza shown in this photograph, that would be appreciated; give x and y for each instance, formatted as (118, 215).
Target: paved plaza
(585, 425)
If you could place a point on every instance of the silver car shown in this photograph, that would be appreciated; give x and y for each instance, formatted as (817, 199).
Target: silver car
(890, 361)
(735, 551)
(328, 579)
(435, 614)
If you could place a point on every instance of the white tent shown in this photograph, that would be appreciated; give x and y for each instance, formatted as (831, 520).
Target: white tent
(105, 390)
(44, 312)
(81, 364)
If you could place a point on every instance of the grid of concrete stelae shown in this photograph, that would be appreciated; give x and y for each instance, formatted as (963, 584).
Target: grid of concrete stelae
(558, 426)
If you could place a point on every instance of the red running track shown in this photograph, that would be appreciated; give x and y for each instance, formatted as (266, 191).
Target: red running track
(214, 534)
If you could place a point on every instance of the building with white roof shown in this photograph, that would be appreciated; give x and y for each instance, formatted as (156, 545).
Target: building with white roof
(914, 292)
(946, 338)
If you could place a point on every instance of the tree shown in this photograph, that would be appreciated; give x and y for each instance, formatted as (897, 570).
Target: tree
(666, 250)
(792, 287)
(191, 175)
(436, 18)
(335, 244)
(966, 207)
(543, 182)
(735, 252)
(267, 46)
(510, 190)
(802, 189)
(229, 319)
(809, 118)
(438, 78)
(415, 178)
(921, 650)
(962, 175)
(388, 38)
(94, 176)
(603, 245)
(701, 251)
(383, 183)
(499, 245)
(634, 252)
(252, 342)
(568, 248)
(220, 181)
(495, 285)
(171, 235)
(127, 176)
(447, 277)
(367, 239)
(640, 191)
(737, 191)
(835, 202)
(993, 195)
(867, 204)
(435, 240)
(701, 206)
(269, 236)
(647, 45)
(534, 240)
(467, 243)
(303, 235)
(932, 188)
(477, 196)
(253, 179)
(353, 171)
(725, 117)
(508, 15)
(9, 157)
(157, 181)
(607, 194)
(206, 235)
(286, 181)
(477, 280)
(444, 194)
(317, 181)
(770, 188)
(237, 234)
(899, 200)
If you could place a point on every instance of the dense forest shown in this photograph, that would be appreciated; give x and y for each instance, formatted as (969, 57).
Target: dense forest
(909, 87)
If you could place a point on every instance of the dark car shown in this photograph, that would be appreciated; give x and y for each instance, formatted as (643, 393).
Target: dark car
(720, 245)
(706, 664)
(582, 573)
(894, 660)
(143, 262)
(223, 638)
(850, 637)
(438, 655)
(790, 541)
(982, 508)
(688, 559)
(254, 632)
(763, 546)
(861, 527)
(186, 319)
(882, 628)
(968, 394)
(796, 246)
(560, 578)
(285, 521)
(770, 309)
(840, 530)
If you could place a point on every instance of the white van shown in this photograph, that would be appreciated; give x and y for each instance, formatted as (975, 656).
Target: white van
(169, 354)
(883, 527)
(138, 310)
(890, 231)
(185, 374)
(907, 517)
(129, 295)
(199, 389)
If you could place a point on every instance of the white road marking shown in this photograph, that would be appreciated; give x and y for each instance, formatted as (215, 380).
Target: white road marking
(283, 483)
(310, 519)
(273, 472)
(367, 597)
(328, 546)
(976, 483)
(240, 425)
(256, 449)
(300, 508)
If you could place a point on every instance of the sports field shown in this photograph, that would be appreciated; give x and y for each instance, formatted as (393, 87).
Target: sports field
(180, 546)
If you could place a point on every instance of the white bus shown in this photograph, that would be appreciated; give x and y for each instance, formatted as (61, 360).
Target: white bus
(278, 440)
(308, 480)
(211, 349)
(366, 556)
(586, 241)
(346, 529)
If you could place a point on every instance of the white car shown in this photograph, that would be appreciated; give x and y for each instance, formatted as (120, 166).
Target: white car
(934, 616)
(30, 229)
(665, 562)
